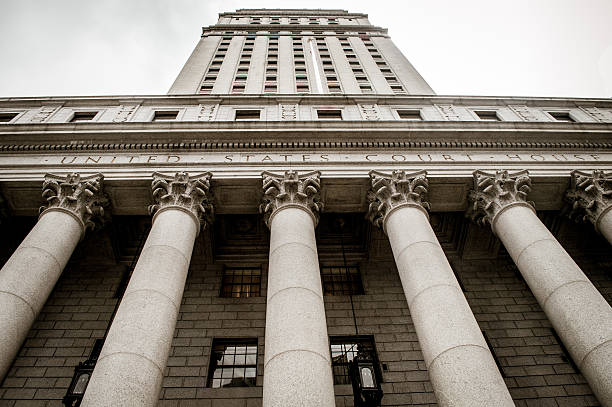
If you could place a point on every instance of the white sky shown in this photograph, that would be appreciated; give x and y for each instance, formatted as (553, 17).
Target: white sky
(487, 47)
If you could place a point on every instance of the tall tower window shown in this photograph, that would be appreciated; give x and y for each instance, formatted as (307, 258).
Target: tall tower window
(244, 63)
(384, 67)
(362, 80)
(299, 66)
(331, 78)
(271, 75)
(213, 68)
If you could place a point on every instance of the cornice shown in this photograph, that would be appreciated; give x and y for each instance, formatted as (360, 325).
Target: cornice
(114, 100)
(283, 135)
(293, 28)
(292, 12)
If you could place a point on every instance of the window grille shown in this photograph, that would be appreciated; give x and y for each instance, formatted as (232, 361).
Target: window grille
(241, 282)
(233, 363)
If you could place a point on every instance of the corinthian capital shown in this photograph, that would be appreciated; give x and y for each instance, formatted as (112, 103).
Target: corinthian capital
(589, 195)
(390, 191)
(189, 194)
(81, 197)
(494, 193)
(293, 190)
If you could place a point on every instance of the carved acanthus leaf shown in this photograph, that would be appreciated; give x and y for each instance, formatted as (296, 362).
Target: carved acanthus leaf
(189, 193)
(391, 190)
(589, 195)
(82, 196)
(494, 192)
(291, 188)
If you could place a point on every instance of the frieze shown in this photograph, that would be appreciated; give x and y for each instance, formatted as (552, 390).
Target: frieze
(416, 157)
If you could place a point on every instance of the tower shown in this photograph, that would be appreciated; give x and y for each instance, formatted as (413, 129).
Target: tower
(304, 52)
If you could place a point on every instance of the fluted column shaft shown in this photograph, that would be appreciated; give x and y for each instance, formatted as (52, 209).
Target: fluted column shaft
(130, 367)
(297, 365)
(28, 277)
(460, 365)
(575, 308)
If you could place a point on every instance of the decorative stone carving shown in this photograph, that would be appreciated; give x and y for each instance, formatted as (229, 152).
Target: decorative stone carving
(82, 197)
(602, 116)
(44, 113)
(124, 113)
(390, 191)
(589, 195)
(288, 111)
(369, 112)
(207, 112)
(291, 189)
(448, 112)
(493, 193)
(525, 113)
(190, 194)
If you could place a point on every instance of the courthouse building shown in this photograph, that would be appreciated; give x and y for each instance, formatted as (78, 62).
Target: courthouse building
(301, 200)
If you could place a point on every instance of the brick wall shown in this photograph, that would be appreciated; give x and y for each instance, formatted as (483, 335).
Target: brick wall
(536, 370)
(76, 314)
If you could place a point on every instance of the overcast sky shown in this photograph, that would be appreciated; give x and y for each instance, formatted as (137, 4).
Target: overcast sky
(488, 47)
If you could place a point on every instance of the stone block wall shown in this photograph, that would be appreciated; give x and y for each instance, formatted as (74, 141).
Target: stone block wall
(537, 370)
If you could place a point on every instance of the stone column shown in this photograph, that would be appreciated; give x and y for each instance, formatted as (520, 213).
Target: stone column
(130, 368)
(297, 362)
(577, 311)
(29, 275)
(590, 197)
(460, 365)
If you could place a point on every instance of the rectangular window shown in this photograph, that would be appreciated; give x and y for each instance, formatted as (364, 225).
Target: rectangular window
(241, 282)
(325, 114)
(161, 115)
(410, 114)
(344, 350)
(340, 280)
(7, 117)
(487, 115)
(233, 363)
(562, 117)
(83, 116)
(248, 114)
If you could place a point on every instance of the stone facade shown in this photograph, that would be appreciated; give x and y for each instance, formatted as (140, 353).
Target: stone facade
(293, 145)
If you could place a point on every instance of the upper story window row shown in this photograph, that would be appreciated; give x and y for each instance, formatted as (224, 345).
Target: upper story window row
(303, 112)
(294, 20)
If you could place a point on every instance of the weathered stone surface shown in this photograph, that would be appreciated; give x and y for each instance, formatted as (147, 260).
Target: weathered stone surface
(188, 193)
(441, 315)
(590, 199)
(297, 357)
(391, 191)
(577, 311)
(82, 197)
(28, 277)
(495, 192)
(142, 330)
(291, 189)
